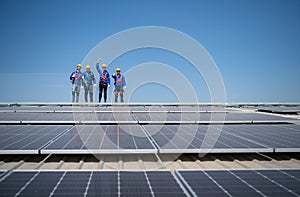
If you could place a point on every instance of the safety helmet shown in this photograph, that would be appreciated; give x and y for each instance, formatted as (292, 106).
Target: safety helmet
(103, 65)
(79, 65)
(88, 66)
(118, 69)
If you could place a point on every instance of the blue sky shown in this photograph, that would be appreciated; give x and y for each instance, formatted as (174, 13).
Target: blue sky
(256, 45)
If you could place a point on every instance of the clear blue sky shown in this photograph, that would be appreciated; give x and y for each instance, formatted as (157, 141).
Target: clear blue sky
(256, 45)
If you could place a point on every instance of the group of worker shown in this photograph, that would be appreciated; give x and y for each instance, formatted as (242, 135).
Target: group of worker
(87, 81)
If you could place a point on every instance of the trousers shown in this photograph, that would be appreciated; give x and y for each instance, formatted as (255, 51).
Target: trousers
(102, 89)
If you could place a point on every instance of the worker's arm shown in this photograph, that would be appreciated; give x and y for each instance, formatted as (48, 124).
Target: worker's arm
(71, 76)
(94, 80)
(123, 81)
(114, 77)
(83, 80)
(108, 78)
(98, 68)
(97, 65)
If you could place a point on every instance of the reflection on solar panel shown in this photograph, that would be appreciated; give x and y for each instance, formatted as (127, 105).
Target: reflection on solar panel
(91, 183)
(242, 182)
(232, 138)
(102, 139)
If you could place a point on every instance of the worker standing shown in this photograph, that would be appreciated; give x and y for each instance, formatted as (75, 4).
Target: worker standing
(120, 85)
(76, 80)
(89, 82)
(104, 82)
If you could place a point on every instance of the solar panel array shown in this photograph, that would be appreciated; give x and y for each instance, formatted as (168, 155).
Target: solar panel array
(80, 129)
(152, 183)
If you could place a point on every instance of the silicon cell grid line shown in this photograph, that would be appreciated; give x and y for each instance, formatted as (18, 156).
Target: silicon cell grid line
(27, 139)
(242, 182)
(91, 183)
(102, 139)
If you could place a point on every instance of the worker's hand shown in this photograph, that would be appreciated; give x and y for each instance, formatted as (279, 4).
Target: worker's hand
(94, 85)
(124, 87)
(108, 85)
(71, 81)
(99, 60)
(81, 87)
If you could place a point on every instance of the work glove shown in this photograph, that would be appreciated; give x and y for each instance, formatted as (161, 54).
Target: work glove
(94, 85)
(99, 60)
(108, 85)
(81, 87)
(124, 87)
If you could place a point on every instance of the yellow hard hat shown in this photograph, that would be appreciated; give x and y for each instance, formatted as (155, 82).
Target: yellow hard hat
(118, 69)
(88, 66)
(78, 65)
(103, 65)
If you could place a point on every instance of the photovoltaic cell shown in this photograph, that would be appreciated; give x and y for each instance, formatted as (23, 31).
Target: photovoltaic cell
(103, 184)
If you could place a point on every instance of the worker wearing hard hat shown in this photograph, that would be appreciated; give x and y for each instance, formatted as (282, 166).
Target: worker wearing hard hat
(89, 83)
(120, 85)
(76, 80)
(104, 82)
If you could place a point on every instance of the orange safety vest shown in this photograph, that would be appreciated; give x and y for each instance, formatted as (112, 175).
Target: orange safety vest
(103, 77)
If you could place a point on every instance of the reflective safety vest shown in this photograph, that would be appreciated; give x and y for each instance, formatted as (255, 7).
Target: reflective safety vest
(120, 80)
(103, 76)
(76, 77)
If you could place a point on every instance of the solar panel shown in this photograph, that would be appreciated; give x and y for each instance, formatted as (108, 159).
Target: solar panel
(24, 116)
(283, 138)
(241, 182)
(207, 116)
(280, 109)
(12, 184)
(102, 139)
(232, 138)
(27, 139)
(91, 183)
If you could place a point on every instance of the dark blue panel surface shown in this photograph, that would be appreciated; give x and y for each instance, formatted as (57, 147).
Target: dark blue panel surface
(31, 137)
